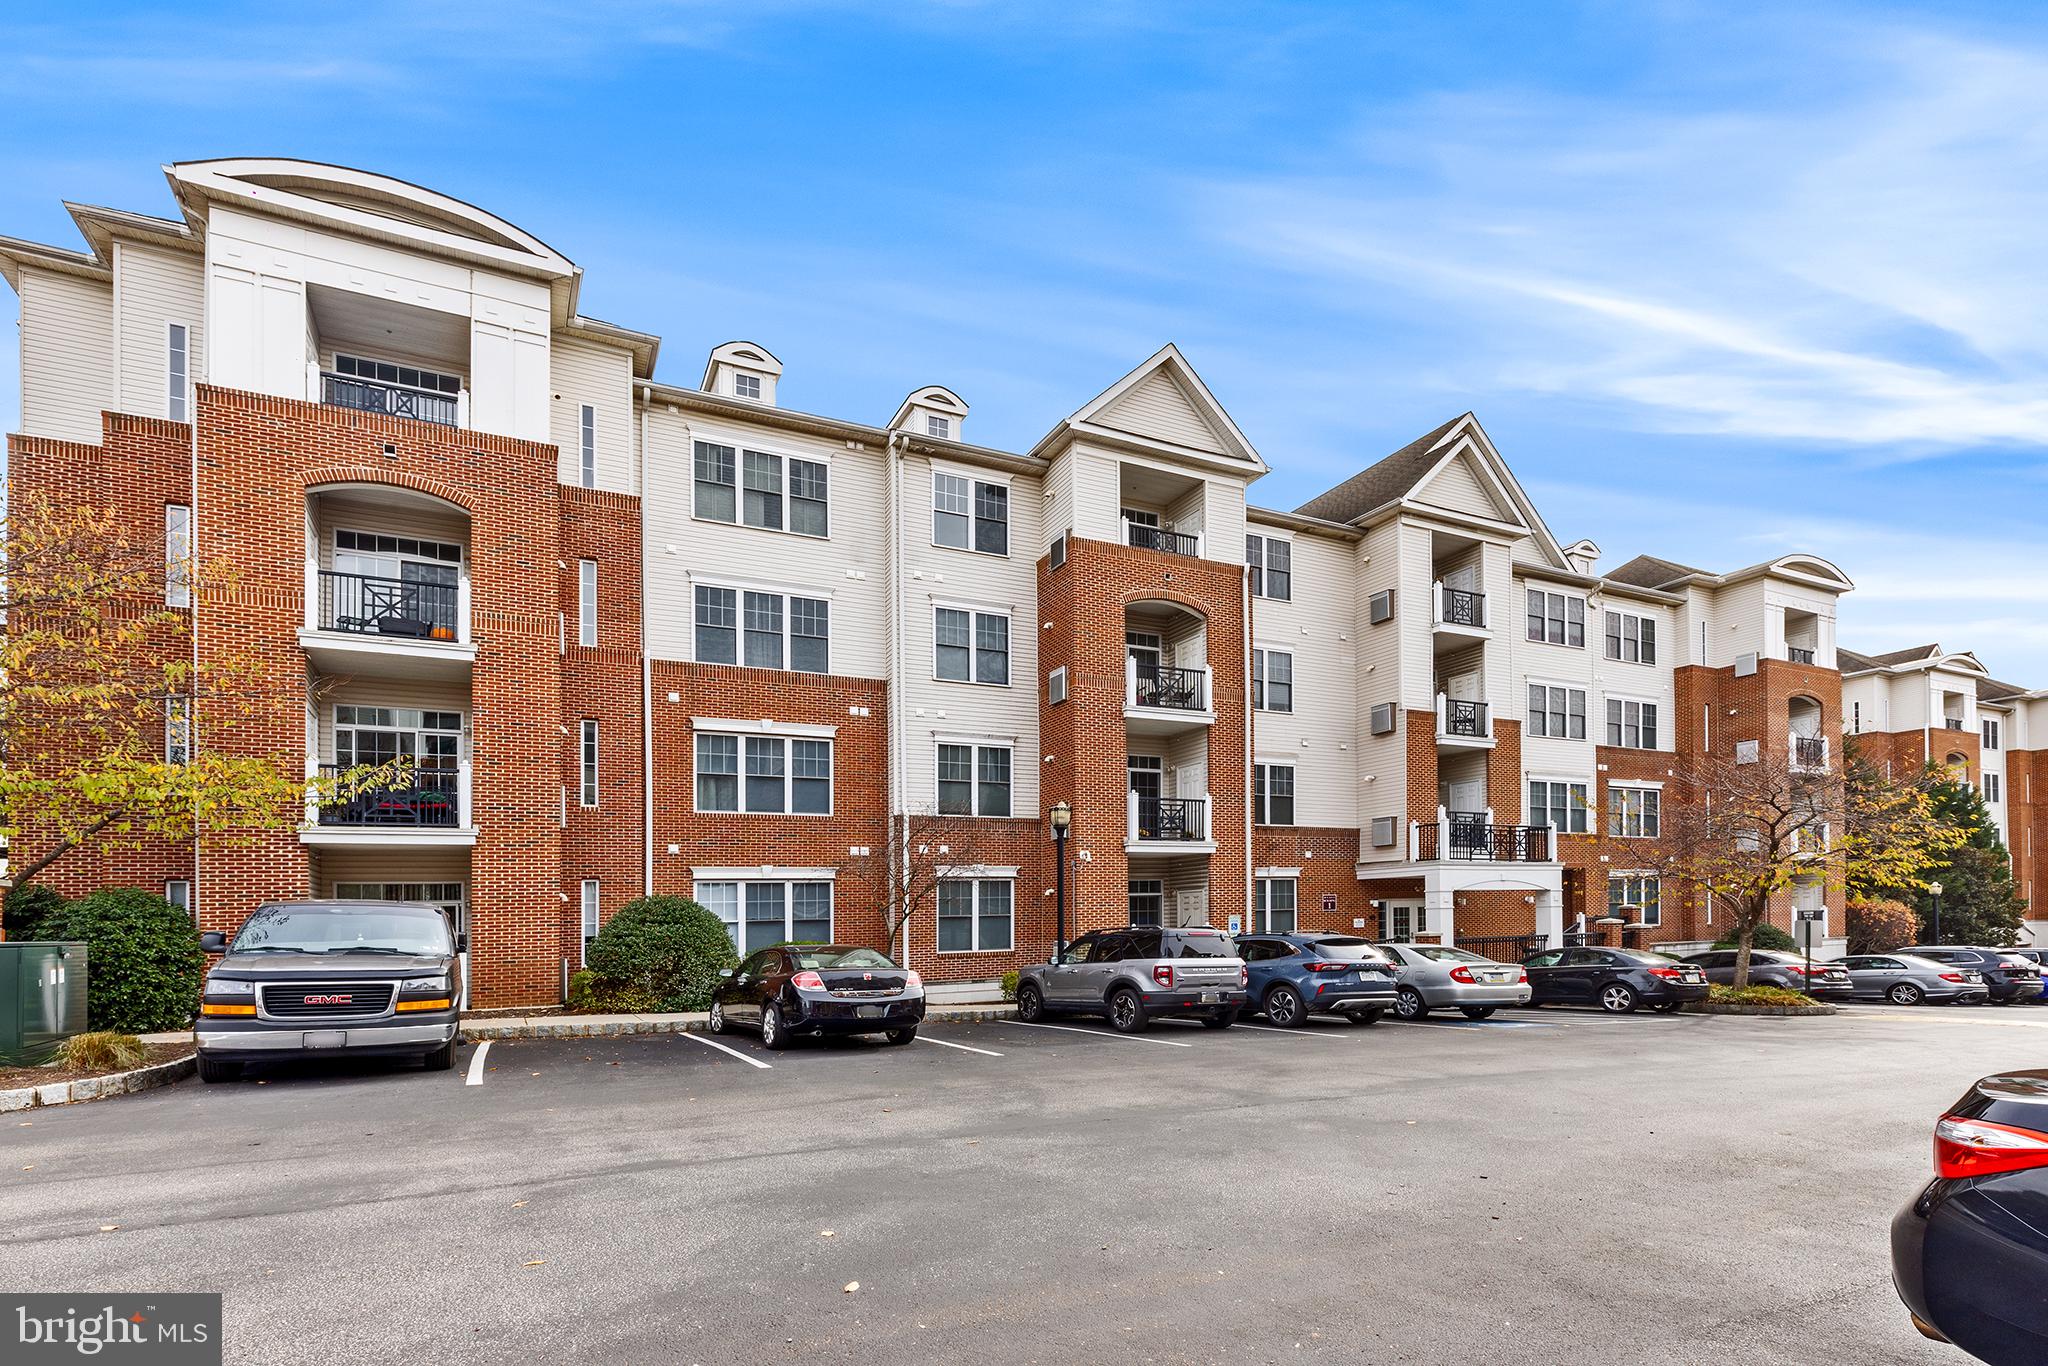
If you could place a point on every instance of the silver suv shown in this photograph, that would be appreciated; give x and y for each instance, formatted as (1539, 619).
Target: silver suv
(1130, 976)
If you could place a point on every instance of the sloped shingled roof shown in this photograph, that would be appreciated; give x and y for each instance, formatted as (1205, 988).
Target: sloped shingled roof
(1382, 482)
(1647, 571)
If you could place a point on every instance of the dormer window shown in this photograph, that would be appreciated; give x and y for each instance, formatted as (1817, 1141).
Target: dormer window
(746, 386)
(942, 427)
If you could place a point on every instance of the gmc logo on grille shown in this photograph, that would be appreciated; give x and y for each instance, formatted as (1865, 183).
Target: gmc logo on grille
(329, 1000)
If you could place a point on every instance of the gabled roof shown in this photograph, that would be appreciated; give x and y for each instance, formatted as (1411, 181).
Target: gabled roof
(1384, 480)
(1853, 663)
(1915, 659)
(1991, 690)
(1163, 404)
(1913, 655)
(1647, 571)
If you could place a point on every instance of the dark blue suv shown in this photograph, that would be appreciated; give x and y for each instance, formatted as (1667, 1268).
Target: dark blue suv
(1293, 976)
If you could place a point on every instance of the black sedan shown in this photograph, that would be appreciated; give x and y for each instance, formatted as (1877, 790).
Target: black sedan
(818, 989)
(1970, 1252)
(1616, 980)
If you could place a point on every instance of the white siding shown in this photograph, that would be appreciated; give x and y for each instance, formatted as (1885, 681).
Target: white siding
(602, 376)
(1157, 407)
(1318, 628)
(156, 288)
(1382, 760)
(364, 511)
(67, 355)
(1457, 487)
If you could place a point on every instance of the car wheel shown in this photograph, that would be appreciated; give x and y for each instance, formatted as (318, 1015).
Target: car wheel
(1365, 1017)
(901, 1036)
(716, 1024)
(772, 1033)
(1409, 1005)
(1221, 1020)
(1030, 1003)
(1127, 1013)
(215, 1069)
(1619, 998)
(1478, 1012)
(1905, 994)
(441, 1059)
(1284, 1009)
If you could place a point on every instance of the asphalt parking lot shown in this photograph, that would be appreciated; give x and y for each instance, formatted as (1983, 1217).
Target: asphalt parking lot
(1546, 1187)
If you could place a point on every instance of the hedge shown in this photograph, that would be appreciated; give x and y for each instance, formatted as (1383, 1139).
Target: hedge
(144, 962)
(660, 953)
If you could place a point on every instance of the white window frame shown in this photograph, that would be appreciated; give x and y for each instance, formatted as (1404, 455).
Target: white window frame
(975, 616)
(738, 628)
(1152, 887)
(590, 907)
(1585, 716)
(941, 427)
(978, 882)
(788, 740)
(976, 482)
(1262, 801)
(1638, 881)
(788, 879)
(1564, 618)
(1262, 668)
(586, 603)
(1640, 814)
(742, 382)
(586, 444)
(1578, 803)
(978, 746)
(1056, 686)
(177, 731)
(177, 555)
(1262, 904)
(177, 371)
(586, 761)
(1617, 738)
(178, 891)
(1988, 727)
(784, 495)
(1261, 574)
(1616, 644)
(1994, 788)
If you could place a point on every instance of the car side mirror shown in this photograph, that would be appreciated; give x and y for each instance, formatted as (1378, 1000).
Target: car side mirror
(213, 941)
(725, 972)
(462, 942)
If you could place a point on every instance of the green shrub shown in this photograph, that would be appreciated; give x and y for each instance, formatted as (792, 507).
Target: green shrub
(103, 1050)
(28, 909)
(1758, 996)
(144, 965)
(1010, 985)
(1767, 936)
(663, 952)
(588, 996)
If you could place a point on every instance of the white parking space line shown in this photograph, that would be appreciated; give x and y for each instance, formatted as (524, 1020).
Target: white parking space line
(713, 1043)
(1306, 1032)
(476, 1065)
(945, 1043)
(1096, 1033)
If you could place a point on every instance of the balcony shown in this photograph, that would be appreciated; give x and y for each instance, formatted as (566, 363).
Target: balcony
(1463, 724)
(1810, 753)
(1167, 825)
(1159, 700)
(368, 626)
(1458, 611)
(1159, 538)
(1799, 654)
(1472, 837)
(394, 400)
(424, 807)
(1954, 723)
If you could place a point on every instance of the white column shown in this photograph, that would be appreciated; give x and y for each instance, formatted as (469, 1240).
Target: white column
(1439, 910)
(1130, 680)
(1550, 918)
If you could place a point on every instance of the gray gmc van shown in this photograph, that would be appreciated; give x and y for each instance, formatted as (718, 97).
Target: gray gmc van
(305, 978)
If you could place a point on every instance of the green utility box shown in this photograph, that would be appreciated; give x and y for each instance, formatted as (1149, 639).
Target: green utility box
(42, 1000)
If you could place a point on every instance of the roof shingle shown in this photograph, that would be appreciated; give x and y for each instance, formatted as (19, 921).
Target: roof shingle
(1382, 482)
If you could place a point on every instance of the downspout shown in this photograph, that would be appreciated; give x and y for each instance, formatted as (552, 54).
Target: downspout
(1244, 589)
(899, 810)
(646, 667)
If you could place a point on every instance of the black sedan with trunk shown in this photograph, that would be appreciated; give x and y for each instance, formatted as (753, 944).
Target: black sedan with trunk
(795, 989)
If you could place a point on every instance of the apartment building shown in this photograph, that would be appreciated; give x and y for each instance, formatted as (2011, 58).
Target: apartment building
(1907, 708)
(639, 636)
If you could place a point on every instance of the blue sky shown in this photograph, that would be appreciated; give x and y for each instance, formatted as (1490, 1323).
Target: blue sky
(1720, 281)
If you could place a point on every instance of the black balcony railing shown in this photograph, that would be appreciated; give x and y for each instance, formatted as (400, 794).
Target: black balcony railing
(1465, 719)
(423, 797)
(1799, 654)
(1174, 689)
(1464, 608)
(1173, 818)
(370, 605)
(1158, 538)
(368, 396)
(1809, 751)
(1952, 722)
(1473, 840)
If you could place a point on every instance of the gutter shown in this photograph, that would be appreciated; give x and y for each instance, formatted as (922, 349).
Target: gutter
(899, 810)
(646, 670)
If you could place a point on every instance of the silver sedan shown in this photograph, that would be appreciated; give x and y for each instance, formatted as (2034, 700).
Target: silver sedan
(1436, 977)
(1905, 980)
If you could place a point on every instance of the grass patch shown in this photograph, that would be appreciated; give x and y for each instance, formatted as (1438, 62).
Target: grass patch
(1758, 996)
(103, 1050)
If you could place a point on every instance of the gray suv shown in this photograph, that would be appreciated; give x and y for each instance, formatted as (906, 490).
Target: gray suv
(1130, 976)
(365, 978)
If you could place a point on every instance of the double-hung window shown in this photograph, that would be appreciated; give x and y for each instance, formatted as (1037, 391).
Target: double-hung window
(761, 489)
(970, 514)
(970, 646)
(586, 445)
(761, 476)
(1557, 713)
(1631, 639)
(1275, 905)
(715, 498)
(1634, 812)
(762, 914)
(1631, 725)
(976, 915)
(586, 602)
(590, 916)
(780, 632)
(178, 373)
(1993, 786)
(1272, 680)
(974, 780)
(1145, 900)
(1270, 562)
(1273, 794)
(1560, 805)
(1556, 618)
(178, 891)
(1633, 896)
(1990, 733)
(783, 775)
(589, 752)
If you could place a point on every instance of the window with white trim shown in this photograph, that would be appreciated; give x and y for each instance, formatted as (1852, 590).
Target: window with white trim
(783, 775)
(734, 485)
(761, 914)
(1556, 618)
(586, 444)
(1146, 900)
(974, 780)
(1631, 725)
(1990, 733)
(1272, 680)
(1056, 686)
(178, 891)
(977, 915)
(178, 373)
(970, 646)
(446, 895)
(177, 555)
(1560, 804)
(1634, 812)
(1632, 639)
(781, 632)
(941, 427)
(589, 762)
(1634, 896)
(1273, 905)
(1269, 561)
(1994, 788)
(586, 602)
(970, 514)
(177, 731)
(745, 385)
(1273, 794)
(590, 916)
(1556, 712)
(404, 376)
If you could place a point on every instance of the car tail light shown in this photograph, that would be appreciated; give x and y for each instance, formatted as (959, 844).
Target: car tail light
(1328, 967)
(1977, 1147)
(1524, 977)
(1667, 972)
(1951, 977)
(1244, 975)
(912, 979)
(807, 981)
(1461, 973)
(1163, 974)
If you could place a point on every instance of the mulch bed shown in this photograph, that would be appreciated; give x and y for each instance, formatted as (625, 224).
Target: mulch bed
(12, 1077)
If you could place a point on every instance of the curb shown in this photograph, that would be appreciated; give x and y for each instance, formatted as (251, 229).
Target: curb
(694, 1022)
(98, 1088)
(1738, 1008)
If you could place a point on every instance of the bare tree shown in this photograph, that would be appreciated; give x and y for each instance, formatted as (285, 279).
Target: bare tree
(927, 846)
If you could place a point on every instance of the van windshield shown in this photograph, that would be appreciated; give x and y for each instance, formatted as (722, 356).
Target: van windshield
(344, 929)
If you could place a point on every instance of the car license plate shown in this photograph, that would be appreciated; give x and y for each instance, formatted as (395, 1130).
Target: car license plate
(869, 1012)
(1210, 998)
(324, 1038)
(1494, 977)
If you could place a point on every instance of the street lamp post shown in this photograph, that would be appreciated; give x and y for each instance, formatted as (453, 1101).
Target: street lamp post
(1934, 890)
(1062, 816)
